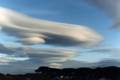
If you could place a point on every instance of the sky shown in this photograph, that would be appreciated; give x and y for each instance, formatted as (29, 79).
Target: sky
(58, 33)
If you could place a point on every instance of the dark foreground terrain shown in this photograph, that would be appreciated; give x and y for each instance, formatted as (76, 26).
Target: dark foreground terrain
(45, 73)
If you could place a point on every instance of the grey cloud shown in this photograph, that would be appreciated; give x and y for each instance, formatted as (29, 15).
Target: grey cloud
(5, 58)
(103, 50)
(7, 55)
(52, 39)
(110, 7)
(36, 31)
(3, 49)
(50, 55)
(31, 58)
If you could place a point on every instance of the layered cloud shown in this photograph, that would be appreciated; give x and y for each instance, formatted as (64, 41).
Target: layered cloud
(30, 31)
(34, 56)
(30, 58)
(5, 58)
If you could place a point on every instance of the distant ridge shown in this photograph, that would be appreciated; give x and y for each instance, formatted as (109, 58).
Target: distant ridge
(102, 64)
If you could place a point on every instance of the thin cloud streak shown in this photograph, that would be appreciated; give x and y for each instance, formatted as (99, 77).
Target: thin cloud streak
(6, 59)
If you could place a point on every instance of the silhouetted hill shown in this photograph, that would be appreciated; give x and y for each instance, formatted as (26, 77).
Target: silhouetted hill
(46, 73)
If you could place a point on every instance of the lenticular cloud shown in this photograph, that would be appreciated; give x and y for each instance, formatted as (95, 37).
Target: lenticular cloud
(31, 31)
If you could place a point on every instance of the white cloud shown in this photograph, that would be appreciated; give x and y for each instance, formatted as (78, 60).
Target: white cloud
(6, 59)
(36, 31)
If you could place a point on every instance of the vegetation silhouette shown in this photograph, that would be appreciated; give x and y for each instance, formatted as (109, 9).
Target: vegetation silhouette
(46, 73)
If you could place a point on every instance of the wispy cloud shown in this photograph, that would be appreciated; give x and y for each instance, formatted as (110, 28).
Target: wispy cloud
(6, 59)
(107, 50)
(110, 7)
(99, 54)
(7, 55)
